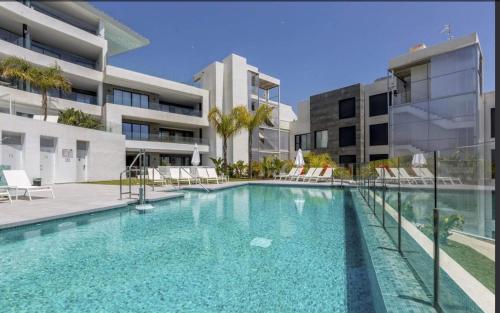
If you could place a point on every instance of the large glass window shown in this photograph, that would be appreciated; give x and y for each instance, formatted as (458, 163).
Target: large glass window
(321, 139)
(347, 136)
(302, 141)
(347, 108)
(493, 165)
(130, 98)
(347, 159)
(378, 134)
(378, 104)
(375, 157)
(492, 119)
(135, 131)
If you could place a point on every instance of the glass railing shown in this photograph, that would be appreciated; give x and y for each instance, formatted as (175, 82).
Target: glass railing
(162, 107)
(72, 95)
(439, 210)
(46, 50)
(168, 139)
(179, 110)
(42, 8)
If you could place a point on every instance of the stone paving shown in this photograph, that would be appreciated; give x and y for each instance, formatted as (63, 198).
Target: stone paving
(71, 199)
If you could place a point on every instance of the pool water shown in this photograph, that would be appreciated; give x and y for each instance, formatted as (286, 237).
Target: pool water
(245, 249)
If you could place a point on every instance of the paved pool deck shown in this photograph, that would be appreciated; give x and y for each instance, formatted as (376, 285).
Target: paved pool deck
(71, 199)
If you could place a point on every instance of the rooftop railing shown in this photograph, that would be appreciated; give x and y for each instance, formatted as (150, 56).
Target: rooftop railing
(167, 139)
(439, 210)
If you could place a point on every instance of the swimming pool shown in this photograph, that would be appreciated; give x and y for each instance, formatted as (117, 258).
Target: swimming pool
(245, 249)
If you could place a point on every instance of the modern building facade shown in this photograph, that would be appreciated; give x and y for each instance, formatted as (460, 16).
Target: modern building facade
(138, 111)
(437, 97)
(232, 83)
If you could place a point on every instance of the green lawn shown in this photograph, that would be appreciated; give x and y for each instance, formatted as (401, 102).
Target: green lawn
(479, 266)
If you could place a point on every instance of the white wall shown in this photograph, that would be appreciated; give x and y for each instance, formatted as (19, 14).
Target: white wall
(106, 155)
(301, 125)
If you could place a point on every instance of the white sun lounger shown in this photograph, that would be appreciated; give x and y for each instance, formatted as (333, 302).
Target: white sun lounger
(403, 175)
(294, 175)
(203, 175)
(178, 175)
(4, 192)
(327, 175)
(426, 173)
(18, 180)
(155, 176)
(307, 175)
(212, 174)
(384, 174)
(292, 172)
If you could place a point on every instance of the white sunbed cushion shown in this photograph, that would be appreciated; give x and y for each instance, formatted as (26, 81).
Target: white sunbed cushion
(17, 178)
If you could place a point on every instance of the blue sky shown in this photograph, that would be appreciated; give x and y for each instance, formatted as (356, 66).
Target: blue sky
(311, 47)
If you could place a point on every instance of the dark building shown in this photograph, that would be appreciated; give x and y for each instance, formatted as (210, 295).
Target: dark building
(337, 123)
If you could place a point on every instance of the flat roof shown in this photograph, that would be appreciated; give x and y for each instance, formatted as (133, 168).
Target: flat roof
(119, 36)
(426, 53)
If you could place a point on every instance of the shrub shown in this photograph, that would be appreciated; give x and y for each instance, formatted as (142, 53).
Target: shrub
(78, 118)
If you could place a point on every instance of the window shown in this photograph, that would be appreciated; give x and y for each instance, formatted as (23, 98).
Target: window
(378, 104)
(347, 136)
(347, 108)
(378, 135)
(321, 139)
(493, 165)
(347, 159)
(302, 141)
(135, 131)
(492, 118)
(130, 98)
(375, 157)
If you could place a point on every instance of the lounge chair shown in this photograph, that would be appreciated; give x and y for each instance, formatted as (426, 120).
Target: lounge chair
(307, 175)
(384, 174)
(426, 173)
(409, 178)
(155, 176)
(203, 175)
(327, 175)
(4, 192)
(18, 180)
(295, 175)
(285, 176)
(403, 175)
(212, 174)
(179, 175)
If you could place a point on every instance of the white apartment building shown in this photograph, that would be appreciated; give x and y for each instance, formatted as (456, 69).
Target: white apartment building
(233, 82)
(138, 111)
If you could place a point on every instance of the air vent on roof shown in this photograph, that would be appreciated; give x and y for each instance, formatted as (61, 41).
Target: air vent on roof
(417, 47)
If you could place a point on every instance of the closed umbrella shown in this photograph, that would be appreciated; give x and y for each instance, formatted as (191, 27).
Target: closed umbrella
(299, 159)
(195, 160)
(418, 160)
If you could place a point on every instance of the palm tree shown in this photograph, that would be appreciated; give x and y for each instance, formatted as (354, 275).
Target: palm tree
(252, 121)
(226, 125)
(43, 79)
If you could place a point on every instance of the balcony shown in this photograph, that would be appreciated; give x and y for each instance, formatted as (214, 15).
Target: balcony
(177, 109)
(137, 102)
(47, 50)
(50, 11)
(74, 95)
(168, 139)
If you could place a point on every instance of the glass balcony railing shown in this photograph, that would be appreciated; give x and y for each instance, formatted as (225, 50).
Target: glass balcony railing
(162, 107)
(46, 50)
(179, 110)
(72, 95)
(439, 210)
(166, 138)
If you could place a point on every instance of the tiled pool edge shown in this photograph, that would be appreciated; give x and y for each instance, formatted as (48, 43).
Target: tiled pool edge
(83, 212)
(400, 290)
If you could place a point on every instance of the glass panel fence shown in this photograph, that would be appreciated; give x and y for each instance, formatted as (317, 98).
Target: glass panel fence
(439, 210)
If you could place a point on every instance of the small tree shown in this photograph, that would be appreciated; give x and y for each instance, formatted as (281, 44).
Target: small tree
(252, 121)
(78, 118)
(226, 125)
(43, 79)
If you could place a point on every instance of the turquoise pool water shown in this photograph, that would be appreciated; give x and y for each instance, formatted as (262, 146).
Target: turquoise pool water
(245, 249)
